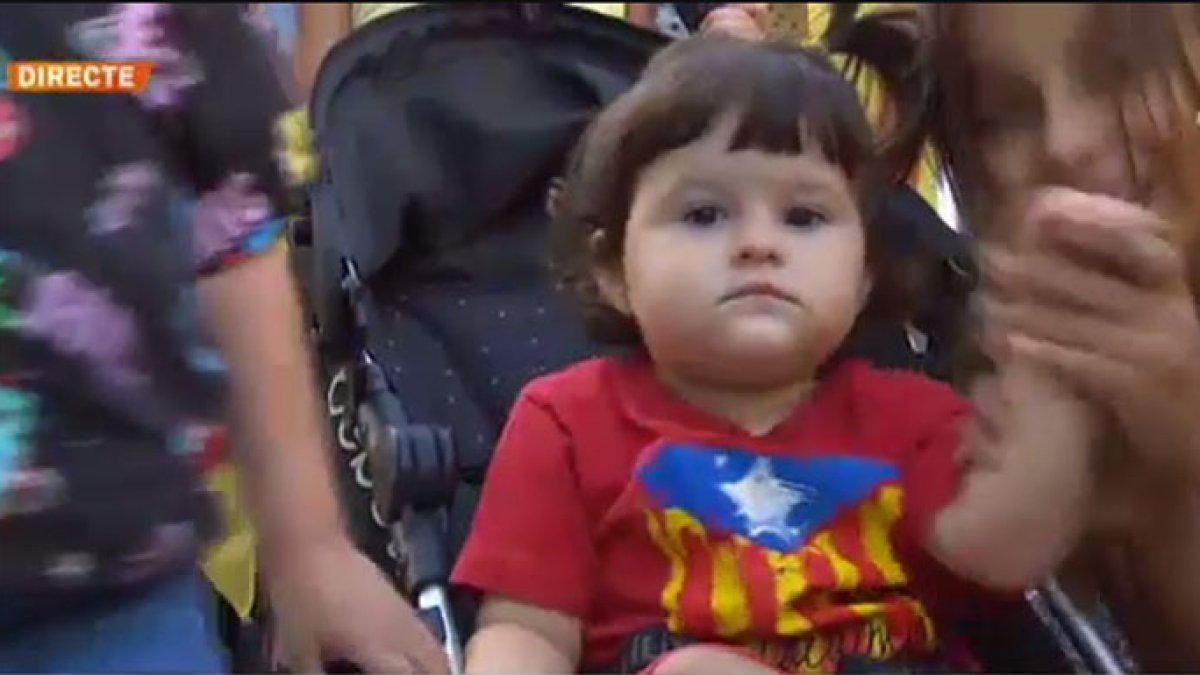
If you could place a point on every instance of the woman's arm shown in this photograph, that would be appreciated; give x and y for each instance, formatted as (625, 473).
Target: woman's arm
(320, 25)
(327, 597)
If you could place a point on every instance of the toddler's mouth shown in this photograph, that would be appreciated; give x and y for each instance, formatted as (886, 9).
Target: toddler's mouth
(760, 288)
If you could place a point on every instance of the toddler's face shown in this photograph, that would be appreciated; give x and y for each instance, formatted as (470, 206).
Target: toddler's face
(741, 268)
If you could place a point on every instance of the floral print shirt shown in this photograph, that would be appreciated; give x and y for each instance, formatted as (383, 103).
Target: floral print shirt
(112, 207)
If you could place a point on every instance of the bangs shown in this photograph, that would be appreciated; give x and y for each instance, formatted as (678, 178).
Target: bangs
(785, 100)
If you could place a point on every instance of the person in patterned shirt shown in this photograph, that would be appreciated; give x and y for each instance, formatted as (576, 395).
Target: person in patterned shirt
(144, 294)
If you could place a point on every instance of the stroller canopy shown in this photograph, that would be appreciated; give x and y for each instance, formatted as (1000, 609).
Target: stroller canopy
(439, 123)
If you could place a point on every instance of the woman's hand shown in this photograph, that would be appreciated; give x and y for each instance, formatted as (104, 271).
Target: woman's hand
(745, 20)
(1101, 295)
(331, 603)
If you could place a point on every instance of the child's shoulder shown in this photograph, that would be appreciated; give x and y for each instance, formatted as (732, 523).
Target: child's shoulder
(874, 382)
(581, 385)
(895, 398)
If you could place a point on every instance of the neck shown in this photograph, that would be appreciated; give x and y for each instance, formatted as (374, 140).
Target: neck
(755, 411)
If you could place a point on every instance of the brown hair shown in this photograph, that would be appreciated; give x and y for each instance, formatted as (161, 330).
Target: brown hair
(787, 99)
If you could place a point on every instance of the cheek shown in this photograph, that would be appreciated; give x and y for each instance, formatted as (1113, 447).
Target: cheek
(832, 273)
(663, 273)
(838, 252)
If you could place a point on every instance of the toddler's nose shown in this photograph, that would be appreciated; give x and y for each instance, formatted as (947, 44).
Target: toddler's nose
(758, 239)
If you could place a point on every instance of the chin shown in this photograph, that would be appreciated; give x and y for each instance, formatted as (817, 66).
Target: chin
(771, 355)
(764, 334)
(758, 373)
(758, 352)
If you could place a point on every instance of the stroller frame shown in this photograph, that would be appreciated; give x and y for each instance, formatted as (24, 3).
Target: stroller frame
(415, 464)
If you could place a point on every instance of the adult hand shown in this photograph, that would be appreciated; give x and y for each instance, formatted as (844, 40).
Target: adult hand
(745, 20)
(1102, 296)
(331, 603)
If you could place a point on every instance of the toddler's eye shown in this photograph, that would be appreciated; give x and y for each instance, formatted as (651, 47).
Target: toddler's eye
(703, 215)
(804, 217)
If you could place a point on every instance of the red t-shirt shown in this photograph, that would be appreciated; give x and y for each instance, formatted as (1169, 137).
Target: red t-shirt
(613, 501)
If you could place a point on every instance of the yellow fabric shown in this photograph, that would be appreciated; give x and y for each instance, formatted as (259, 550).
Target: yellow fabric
(231, 565)
(364, 13)
(871, 92)
(294, 142)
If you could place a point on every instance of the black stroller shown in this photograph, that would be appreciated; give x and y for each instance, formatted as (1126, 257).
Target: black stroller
(439, 130)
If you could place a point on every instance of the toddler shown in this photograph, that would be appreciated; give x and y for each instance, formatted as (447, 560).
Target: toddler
(730, 483)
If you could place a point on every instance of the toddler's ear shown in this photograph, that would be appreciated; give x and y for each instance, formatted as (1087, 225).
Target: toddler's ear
(864, 291)
(610, 278)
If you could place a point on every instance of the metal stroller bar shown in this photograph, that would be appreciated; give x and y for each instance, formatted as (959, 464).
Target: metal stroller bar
(433, 602)
(415, 474)
(1041, 606)
(1087, 640)
(413, 485)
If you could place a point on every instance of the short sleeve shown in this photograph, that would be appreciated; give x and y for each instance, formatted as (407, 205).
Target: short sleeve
(221, 96)
(918, 422)
(530, 540)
